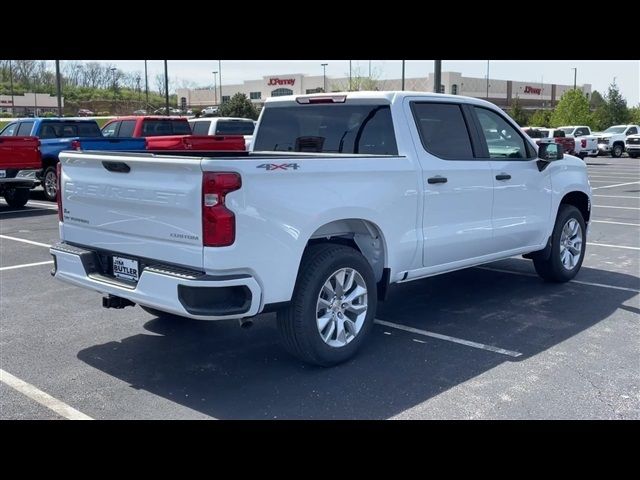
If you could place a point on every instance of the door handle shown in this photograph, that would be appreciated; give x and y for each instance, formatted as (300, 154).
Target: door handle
(437, 179)
(503, 176)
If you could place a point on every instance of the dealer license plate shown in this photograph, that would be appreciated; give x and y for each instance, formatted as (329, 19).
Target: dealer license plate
(125, 268)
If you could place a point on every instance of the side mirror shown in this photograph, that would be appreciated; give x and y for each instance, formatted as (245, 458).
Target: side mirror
(578, 134)
(547, 153)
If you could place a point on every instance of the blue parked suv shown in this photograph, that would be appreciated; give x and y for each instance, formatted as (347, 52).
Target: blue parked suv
(59, 134)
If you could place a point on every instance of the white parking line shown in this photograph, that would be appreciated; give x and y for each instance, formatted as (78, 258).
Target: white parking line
(42, 398)
(30, 242)
(617, 185)
(613, 206)
(612, 246)
(617, 177)
(616, 223)
(43, 204)
(439, 336)
(24, 265)
(591, 284)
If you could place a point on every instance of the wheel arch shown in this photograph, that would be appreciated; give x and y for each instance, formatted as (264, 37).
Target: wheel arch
(580, 200)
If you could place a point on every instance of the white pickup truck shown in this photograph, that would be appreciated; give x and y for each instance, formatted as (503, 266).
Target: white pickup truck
(586, 143)
(632, 146)
(342, 195)
(612, 140)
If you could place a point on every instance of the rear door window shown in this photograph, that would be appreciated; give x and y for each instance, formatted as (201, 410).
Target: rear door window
(331, 128)
(443, 130)
(126, 128)
(25, 129)
(200, 128)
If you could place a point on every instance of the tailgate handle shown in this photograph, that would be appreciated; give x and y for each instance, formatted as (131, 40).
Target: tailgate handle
(119, 167)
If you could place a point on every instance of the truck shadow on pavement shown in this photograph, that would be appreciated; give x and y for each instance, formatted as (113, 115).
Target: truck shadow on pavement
(226, 372)
(7, 213)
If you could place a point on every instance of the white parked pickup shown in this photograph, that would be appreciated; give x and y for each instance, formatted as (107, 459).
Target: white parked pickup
(586, 143)
(342, 195)
(224, 126)
(613, 139)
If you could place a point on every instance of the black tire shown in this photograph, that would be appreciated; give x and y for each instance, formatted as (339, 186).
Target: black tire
(16, 197)
(617, 150)
(50, 190)
(552, 269)
(297, 322)
(161, 314)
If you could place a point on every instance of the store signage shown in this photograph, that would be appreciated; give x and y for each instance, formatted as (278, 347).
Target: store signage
(281, 81)
(534, 90)
(7, 102)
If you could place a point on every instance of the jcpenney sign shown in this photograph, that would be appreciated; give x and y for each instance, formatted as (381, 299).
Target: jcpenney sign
(281, 81)
(534, 90)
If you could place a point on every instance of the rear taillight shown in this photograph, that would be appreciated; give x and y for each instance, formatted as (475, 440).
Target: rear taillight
(583, 142)
(58, 191)
(218, 222)
(75, 145)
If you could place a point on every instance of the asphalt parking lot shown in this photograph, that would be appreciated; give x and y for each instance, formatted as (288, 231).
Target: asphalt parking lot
(491, 342)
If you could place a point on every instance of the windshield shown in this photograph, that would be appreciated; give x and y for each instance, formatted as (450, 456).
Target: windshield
(337, 128)
(615, 130)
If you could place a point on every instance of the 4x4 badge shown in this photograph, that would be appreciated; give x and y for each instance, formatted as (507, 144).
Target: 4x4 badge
(279, 166)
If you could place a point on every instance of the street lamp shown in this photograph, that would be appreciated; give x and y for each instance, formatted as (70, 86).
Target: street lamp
(575, 76)
(13, 107)
(215, 87)
(324, 76)
(113, 70)
(58, 88)
(138, 87)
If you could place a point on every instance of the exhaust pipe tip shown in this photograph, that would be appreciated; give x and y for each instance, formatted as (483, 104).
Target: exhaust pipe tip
(246, 323)
(113, 301)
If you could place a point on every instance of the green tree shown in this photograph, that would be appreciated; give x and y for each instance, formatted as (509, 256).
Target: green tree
(634, 115)
(518, 113)
(239, 106)
(541, 118)
(596, 100)
(613, 111)
(572, 109)
(359, 81)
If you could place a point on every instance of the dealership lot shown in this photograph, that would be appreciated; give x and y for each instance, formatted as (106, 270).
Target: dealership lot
(488, 342)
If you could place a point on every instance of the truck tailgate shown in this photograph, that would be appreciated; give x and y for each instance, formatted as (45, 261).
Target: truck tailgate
(20, 153)
(138, 206)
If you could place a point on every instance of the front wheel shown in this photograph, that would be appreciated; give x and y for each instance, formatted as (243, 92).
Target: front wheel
(332, 308)
(16, 197)
(568, 242)
(50, 184)
(616, 151)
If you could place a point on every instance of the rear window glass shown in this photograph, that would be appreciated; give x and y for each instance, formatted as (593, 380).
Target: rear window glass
(154, 128)
(69, 129)
(234, 127)
(200, 128)
(334, 128)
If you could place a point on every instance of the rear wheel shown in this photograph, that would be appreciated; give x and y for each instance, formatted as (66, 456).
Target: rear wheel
(568, 242)
(332, 308)
(50, 184)
(16, 197)
(616, 151)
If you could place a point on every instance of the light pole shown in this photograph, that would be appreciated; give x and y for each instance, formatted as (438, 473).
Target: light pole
(324, 76)
(437, 74)
(220, 78)
(139, 91)
(215, 88)
(58, 88)
(402, 87)
(349, 75)
(575, 76)
(487, 79)
(369, 69)
(113, 70)
(13, 107)
(166, 87)
(146, 83)
(35, 97)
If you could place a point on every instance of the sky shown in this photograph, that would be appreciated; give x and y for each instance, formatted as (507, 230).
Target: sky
(599, 73)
